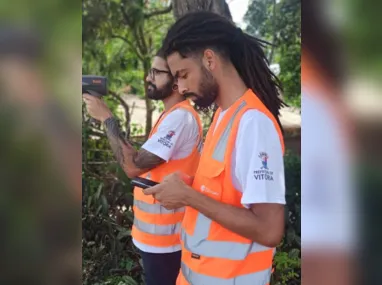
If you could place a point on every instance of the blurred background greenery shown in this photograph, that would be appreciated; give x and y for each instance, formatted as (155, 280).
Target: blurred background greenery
(120, 39)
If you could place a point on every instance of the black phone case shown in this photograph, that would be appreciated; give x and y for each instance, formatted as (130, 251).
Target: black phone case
(142, 182)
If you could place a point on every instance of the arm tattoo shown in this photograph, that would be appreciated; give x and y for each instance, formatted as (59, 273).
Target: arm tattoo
(117, 141)
(145, 159)
(121, 148)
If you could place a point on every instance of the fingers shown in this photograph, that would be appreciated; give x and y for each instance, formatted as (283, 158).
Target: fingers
(182, 176)
(186, 178)
(92, 101)
(152, 190)
(86, 97)
(89, 98)
(168, 207)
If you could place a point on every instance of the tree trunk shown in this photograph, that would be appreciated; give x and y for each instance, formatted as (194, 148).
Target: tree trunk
(149, 107)
(182, 7)
(270, 59)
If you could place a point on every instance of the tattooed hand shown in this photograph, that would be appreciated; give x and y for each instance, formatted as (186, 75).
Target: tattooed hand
(120, 147)
(97, 108)
(133, 162)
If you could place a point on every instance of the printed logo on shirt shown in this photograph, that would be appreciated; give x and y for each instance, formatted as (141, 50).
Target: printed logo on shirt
(264, 160)
(170, 135)
(166, 141)
(263, 173)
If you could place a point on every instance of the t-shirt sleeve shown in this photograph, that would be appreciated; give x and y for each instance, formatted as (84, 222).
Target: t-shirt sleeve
(170, 135)
(258, 161)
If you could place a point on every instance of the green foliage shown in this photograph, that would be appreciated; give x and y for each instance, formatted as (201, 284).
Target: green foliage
(118, 280)
(279, 22)
(287, 261)
(119, 41)
(360, 26)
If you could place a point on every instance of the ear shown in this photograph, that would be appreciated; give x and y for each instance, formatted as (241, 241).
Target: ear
(174, 87)
(210, 59)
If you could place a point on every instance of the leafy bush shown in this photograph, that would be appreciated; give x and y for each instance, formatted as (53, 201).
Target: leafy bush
(106, 216)
(106, 227)
(287, 261)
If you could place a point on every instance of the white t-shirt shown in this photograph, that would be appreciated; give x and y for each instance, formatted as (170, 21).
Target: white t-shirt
(175, 138)
(327, 206)
(257, 135)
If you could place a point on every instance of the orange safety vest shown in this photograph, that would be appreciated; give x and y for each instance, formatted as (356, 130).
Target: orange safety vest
(212, 254)
(154, 225)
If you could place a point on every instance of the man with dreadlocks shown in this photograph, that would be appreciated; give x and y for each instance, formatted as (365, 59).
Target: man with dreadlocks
(235, 207)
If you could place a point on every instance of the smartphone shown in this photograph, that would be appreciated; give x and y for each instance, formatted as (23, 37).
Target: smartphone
(143, 183)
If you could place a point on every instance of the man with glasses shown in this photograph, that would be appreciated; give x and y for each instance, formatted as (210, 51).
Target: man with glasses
(173, 145)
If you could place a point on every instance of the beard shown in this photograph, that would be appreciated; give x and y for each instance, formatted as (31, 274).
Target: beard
(154, 93)
(208, 92)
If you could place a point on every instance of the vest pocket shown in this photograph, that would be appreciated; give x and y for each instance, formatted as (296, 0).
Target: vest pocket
(211, 180)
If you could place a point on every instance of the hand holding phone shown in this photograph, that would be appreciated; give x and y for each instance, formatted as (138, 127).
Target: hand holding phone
(143, 183)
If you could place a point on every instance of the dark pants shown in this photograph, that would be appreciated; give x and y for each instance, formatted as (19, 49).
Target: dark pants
(161, 268)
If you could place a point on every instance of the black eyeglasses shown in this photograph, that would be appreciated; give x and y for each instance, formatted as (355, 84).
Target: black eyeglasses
(153, 72)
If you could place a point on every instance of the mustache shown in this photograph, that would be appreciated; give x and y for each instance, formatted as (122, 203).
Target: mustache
(190, 94)
(152, 85)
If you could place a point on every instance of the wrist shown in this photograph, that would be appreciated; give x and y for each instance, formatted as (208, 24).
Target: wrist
(109, 121)
(190, 195)
(107, 116)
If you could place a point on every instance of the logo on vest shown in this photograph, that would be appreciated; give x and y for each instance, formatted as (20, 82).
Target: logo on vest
(264, 173)
(166, 141)
(203, 189)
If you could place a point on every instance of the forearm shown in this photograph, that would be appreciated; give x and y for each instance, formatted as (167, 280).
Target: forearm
(123, 151)
(133, 162)
(238, 220)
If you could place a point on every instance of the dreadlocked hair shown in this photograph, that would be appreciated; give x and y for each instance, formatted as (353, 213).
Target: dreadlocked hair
(197, 31)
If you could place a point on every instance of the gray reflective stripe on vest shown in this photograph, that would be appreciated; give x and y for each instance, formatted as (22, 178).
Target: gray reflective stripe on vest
(257, 278)
(198, 243)
(163, 230)
(200, 145)
(155, 208)
(221, 146)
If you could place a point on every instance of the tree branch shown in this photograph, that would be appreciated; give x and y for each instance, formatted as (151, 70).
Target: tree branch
(227, 12)
(135, 50)
(158, 12)
(142, 37)
(125, 16)
(127, 113)
(132, 28)
(137, 40)
(274, 33)
(159, 23)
